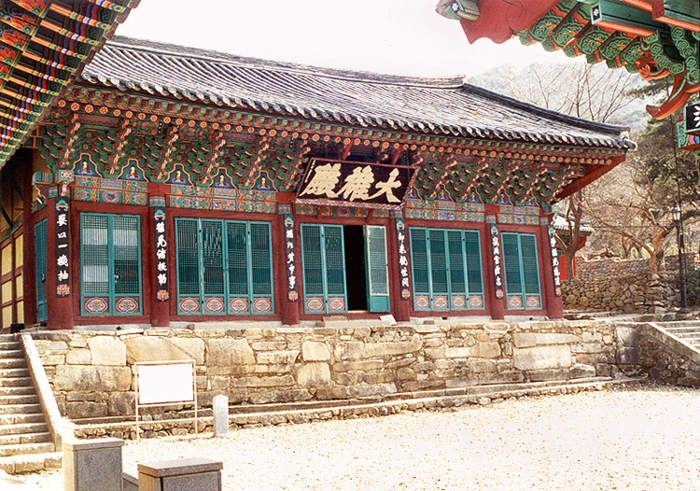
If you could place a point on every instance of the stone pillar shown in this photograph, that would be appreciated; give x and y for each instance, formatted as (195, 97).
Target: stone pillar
(181, 475)
(92, 465)
(220, 408)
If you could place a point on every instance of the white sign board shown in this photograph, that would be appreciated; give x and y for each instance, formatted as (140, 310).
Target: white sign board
(166, 383)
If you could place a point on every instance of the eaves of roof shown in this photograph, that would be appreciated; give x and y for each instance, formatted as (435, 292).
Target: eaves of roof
(446, 106)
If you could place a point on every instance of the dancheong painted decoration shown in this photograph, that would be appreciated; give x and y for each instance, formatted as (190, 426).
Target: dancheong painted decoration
(655, 38)
(201, 186)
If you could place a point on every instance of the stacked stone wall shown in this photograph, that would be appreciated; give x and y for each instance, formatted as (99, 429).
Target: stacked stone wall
(639, 293)
(92, 373)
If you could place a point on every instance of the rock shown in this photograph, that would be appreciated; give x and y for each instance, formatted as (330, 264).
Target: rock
(153, 348)
(100, 378)
(362, 391)
(528, 339)
(287, 357)
(351, 350)
(227, 352)
(484, 349)
(373, 350)
(121, 404)
(75, 410)
(579, 370)
(78, 356)
(107, 350)
(315, 351)
(542, 357)
(313, 375)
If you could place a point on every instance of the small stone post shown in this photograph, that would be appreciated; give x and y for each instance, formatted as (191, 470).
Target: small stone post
(92, 465)
(220, 415)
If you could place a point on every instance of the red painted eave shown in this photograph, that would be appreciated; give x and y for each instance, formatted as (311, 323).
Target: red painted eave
(498, 19)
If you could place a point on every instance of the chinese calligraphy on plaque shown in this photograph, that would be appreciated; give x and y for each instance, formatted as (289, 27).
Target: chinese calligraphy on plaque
(555, 261)
(292, 291)
(62, 249)
(355, 183)
(403, 259)
(497, 261)
(162, 291)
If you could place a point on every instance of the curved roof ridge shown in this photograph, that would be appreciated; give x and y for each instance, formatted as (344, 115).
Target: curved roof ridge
(548, 113)
(158, 47)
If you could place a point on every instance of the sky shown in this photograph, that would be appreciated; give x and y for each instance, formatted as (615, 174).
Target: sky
(402, 37)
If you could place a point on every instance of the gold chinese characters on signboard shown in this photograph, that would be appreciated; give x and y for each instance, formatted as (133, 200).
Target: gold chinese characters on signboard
(360, 184)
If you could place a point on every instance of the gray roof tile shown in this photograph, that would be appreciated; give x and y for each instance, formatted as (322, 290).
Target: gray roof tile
(441, 106)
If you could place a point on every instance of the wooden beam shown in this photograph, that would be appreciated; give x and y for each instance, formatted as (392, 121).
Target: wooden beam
(588, 178)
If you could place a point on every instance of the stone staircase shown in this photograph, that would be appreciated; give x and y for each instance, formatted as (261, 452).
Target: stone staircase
(686, 331)
(23, 429)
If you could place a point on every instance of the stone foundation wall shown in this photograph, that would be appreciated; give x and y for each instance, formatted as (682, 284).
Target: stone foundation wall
(92, 372)
(640, 293)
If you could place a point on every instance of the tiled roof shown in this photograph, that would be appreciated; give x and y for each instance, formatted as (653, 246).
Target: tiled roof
(43, 46)
(440, 106)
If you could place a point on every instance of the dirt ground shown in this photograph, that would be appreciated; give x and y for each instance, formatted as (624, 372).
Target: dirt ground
(622, 439)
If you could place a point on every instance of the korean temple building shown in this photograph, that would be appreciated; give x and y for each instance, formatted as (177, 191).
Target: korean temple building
(171, 185)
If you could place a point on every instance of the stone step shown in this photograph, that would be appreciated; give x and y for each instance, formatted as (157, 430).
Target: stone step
(682, 330)
(19, 429)
(24, 381)
(19, 399)
(13, 363)
(20, 438)
(12, 419)
(20, 408)
(17, 391)
(10, 346)
(20, 464)
(11, 353)
(25, 448)
(14, 372)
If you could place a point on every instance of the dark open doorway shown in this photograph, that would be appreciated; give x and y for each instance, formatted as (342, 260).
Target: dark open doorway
(355, 267)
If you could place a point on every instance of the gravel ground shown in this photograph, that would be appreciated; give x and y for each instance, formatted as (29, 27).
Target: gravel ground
(636, 439)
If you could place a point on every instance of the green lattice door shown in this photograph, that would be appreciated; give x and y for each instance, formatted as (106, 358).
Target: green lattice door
(446, 268)
(110, 259)
(323, 258)
(40, 268)
(223, 267)
(521, 269)
(377, 269)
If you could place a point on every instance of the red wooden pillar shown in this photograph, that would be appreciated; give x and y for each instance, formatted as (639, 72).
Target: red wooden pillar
(494, 274)
(399, 276)
(60, 304)
(286, 255)
(29, 252)
(158, 266)
(552, 292)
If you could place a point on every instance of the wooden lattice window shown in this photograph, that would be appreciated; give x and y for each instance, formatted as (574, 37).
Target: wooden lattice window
(110, 264)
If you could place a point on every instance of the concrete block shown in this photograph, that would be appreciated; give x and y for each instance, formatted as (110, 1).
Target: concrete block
(181, 475)
(93, 465)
